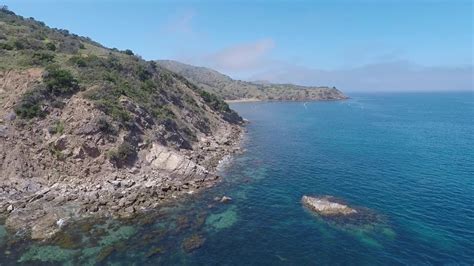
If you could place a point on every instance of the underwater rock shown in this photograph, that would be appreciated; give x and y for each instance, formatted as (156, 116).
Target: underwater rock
(42, 224)
(46, 254)
(182, 222)
(327, 206)
(222, 220)
(193, 242)
(65, 240)
(105, 253)
(225, 199)
(154, 251)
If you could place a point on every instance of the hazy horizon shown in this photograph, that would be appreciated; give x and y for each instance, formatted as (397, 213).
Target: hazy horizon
(352, 45)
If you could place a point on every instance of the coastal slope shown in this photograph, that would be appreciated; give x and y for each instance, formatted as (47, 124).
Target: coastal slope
(231, 90)
(88, 130)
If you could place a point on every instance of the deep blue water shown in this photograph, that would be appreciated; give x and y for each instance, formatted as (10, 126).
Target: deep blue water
(407, 157)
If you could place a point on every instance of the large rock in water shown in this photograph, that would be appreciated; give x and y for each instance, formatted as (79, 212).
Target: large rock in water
(335, 211)
(327, 206)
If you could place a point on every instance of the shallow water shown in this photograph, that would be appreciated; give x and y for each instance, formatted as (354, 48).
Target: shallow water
(407, 157)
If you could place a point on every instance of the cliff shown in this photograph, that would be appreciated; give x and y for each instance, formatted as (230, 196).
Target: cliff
(88, 130)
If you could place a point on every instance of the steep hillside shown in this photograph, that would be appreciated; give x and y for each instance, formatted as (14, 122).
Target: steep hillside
(229, 89)
(86, 129)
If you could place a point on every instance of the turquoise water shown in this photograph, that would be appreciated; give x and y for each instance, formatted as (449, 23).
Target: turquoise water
(407, 157)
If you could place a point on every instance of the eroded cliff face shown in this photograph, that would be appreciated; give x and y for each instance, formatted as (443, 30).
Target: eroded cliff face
(60, 166)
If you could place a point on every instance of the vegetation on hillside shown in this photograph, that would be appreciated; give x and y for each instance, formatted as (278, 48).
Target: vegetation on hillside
(230, 89)
(126, 88)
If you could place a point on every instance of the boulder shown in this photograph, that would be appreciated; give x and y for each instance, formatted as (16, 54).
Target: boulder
(3, 131)
(225, 199)
(78, 153)
(61, 143)
(10, 116)
(91, 150)
(327, 206)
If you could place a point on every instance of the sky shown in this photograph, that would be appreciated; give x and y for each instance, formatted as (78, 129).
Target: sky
(358, 45)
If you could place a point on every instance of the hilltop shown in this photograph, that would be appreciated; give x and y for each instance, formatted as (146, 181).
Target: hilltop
(230, 89)
(86, 130)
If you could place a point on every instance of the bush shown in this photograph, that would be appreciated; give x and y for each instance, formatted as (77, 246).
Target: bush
(57, 127)
(105, 126)
(78, 61)
(51, 46)
(18, 44)
(60, 81)
(86, 61)
(107, 100)
(30, 104)
(6, 46)
(128, 51)
(123, 154)
(214, 102)
(42, 58)
(143, 74)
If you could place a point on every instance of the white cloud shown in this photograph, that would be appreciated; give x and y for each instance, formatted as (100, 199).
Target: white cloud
(241, 57)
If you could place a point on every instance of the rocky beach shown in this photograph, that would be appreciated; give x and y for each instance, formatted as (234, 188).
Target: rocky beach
(40, 207)
(44, 208)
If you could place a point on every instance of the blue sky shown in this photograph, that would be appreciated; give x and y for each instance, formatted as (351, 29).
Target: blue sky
(355, 45)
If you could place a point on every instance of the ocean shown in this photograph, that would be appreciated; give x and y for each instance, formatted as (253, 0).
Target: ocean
(407, 157)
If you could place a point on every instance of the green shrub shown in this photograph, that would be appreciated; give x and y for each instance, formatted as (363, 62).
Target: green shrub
(6, 46)
(57, 153)
(124, 153)
(214, 102)
(50, 46)
(143, 74)
(78, 61)
(18, 44)
(105, 126)
(128, 51)
(57, 127)
(162, 113)
(30, 104)
(107, 100)
(42, 58)
(60, 81)
(87, 61)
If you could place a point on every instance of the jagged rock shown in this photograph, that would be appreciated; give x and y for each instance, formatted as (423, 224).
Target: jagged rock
(162, 158)
(41, 223)
(61, 143)
(3, 131)
(10, 116)
(327, 206)
(78, 153)
(225, 199)
(91, 150)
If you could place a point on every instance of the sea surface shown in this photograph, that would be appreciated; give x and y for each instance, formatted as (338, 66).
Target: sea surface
(409, 158)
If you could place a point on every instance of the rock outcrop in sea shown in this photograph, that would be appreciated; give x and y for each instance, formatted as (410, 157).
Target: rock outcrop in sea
(338, 212)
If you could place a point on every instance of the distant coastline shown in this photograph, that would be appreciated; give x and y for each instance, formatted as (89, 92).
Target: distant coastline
(243, 100)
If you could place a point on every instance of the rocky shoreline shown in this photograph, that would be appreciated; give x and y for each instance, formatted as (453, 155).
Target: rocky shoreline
(40, 211)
